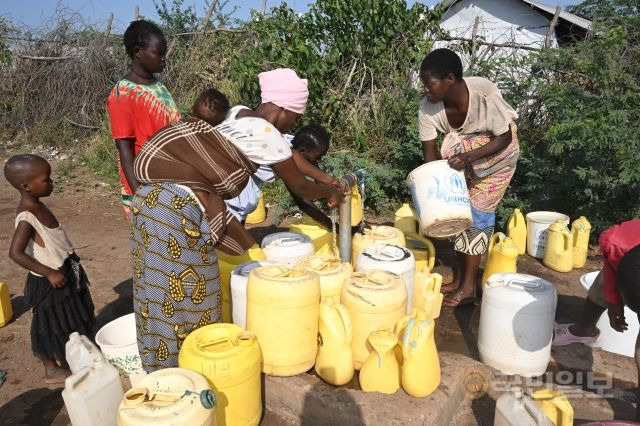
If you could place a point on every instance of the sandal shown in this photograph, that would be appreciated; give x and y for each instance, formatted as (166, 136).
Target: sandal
(562, 336)
(453, 300)
(449, 288)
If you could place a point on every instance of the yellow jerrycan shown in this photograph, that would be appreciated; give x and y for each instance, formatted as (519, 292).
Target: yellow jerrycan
(229, 358)
(581, 230)
(162, 397)
(517, 230)
(226, 263)
(6, 311)
(334, 363)
(376, 235)
(259, 215)
(558, 253)
(426, 293)
(357, 207)
(381, 371)
(555, 406)
(420, 365)
(502, 256)
(374, 299)
(333, 274)
(282, 310)
(423, 251)
(405, 220)
(321, 237)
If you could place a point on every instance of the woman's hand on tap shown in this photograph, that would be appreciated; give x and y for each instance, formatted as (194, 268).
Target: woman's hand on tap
(334, 197)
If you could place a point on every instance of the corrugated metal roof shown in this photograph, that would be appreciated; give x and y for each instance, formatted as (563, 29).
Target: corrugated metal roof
(566, 16)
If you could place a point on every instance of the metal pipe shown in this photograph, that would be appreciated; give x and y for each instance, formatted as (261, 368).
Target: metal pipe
(347, 182)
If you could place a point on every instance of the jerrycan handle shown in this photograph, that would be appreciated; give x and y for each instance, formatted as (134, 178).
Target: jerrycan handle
(431, 249)
(73, 380)
(210, 344)
(568, 243)
(497, 237)
(532, 408)
(524, 285)
(346, 322)
(436, 279)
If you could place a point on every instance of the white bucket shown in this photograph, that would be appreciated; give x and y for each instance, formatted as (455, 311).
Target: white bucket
(441, 199)
(537, 227)
(287, 247)
(610, 340)
(118, 343)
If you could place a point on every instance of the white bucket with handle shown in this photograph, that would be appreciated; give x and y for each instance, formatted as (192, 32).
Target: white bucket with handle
(537, 228)
(119, 345)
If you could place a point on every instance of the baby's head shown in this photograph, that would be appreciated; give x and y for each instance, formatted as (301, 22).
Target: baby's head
(312, 142)
(30, 174)
(211, 106)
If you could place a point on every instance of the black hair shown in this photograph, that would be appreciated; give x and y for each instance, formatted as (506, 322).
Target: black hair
(19, 169)
(628, 278)
(139, 34)
(214, 100)
(442, 62)
(311, 136)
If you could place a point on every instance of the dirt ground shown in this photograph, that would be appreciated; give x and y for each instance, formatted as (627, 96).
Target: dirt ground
(92, 216)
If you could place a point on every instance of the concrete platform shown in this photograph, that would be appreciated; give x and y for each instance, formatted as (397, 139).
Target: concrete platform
(307, 400)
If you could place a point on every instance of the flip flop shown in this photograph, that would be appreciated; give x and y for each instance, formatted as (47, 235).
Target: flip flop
(454, 303)
(562, 336)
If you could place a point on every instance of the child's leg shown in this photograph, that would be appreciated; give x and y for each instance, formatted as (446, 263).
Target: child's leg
(53, 373)
(594, 306)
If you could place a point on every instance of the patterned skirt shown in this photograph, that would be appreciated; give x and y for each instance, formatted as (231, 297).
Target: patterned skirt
(176, 284)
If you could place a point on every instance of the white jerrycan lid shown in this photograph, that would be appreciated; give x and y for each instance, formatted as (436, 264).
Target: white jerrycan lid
(285, 239)
(518, 282)
(387, 253)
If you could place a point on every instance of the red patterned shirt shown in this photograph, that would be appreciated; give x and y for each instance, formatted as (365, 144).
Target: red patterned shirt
(138, 111)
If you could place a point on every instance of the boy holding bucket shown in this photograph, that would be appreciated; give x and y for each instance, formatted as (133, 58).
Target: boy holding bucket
(480, 138)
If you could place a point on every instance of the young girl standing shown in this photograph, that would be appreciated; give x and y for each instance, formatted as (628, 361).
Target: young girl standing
(56, 287)
(139, 105)
(480, 138)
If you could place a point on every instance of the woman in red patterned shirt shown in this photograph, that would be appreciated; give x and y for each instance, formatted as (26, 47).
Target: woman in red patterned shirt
(139, 105)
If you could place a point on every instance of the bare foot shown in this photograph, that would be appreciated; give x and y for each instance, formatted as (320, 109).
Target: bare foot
(56, 375)
(459, 298)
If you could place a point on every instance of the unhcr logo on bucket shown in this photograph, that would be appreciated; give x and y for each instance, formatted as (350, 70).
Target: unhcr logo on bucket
(453, 190)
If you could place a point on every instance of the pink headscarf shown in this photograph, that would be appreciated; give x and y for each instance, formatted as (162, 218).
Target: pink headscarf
(285, 89)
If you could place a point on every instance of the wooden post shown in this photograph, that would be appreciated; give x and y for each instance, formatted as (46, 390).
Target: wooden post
(552, 28)
(136, 13)
(474, 43)
(207, 16)
(264, 7)
(107, 31)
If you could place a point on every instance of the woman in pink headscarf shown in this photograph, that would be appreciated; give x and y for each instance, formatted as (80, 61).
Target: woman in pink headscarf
(260, 131)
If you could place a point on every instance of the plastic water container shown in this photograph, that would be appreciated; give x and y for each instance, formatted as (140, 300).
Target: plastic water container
(80, 352)
(118, 342)
(282, 311)
(396, 259)
(517, 409)
(334, 363)
(321, 237)
(420, 362)
(230, 360)
(377, 235)
(516, 324)
(537, 225)
(611, 340)
(169, 397)
(333, 274)
(287, 247)
(239, 281)
(440, 198)
(93, 394)
(374, 300)
(6, 311)
(381, 372)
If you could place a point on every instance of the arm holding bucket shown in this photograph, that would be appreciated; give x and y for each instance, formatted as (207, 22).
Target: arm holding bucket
(429, 150)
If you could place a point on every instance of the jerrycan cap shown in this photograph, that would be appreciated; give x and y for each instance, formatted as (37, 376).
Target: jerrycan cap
(246, 338)
(382, 337)
(320, 264)
(387, 253)
(558, 225)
